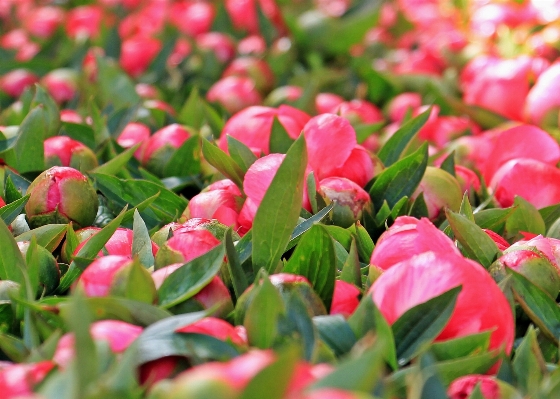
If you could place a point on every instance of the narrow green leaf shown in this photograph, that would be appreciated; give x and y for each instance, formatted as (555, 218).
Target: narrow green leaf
(395, 146)
(493, 219)
(236, 272)
(336, 333)
(134, 282)
(462, 346)
(400, 179)
(190, 278)
(115, 87)
(240, 153)
(12, 264)
(11, 190)
(466, 208)
(448, 164)
(476, 243)
(28, 153)
(540, 307)
(186, 160)
(280, 141)
(51, 114)
(550, 214)
(10, 212)
(116, 165)
(423, 323)
(13, 347)
(525, 218)
(528, 363)
(48, 236)
(351, 272)
(223, 162)
(364, 242)
(141, 242)
(314, 258)
(261, 318)
(297, 325)
(279, 210)
(192, 113)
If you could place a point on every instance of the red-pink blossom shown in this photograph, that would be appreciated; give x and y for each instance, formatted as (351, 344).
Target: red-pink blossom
(217, 328)
(15, 82)
(402, 104)
(192, 18)
(234, 93)
(463, 387)
(346, 298)
(84, 21)
(543, 102)
(137, 52)
(220, 44)
(120, 243)
(97, 278)
(19, 380)
(327, 102)
(132, 134)
(215, 204)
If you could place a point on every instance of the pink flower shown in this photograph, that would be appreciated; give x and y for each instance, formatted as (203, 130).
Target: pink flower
(220, 44)
(407, 237)
(440, 190)
(64, 151)
(120, 243)
(71, 116)
(327, 102)
(161, 145)
(243, 14)
(216, 328)
(118, 334)
(346, 298)
(43, 21)
(97, 278)
(467, 178)
(350, 199)
(252, 67)
(184, 246)
(15, 82)
(252, 126)
(19, 380)
(251, 45)
(403, 103)
(328, 393)
(535, 181)
(359, 111)
(543, 102)
(84, 21)
(132, 134)
(522, 141)
(215, 204)
(481, 305)
(137, 52)
(234, 93)
(498, 239)
(192, 18)
(462, 387)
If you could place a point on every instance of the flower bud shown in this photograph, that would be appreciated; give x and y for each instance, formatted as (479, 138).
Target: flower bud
(217, 328)
(441, 190)
(220, 44)
(221, 205)
(185, 246)
(350, 200)
(346, 298)
(62, 84)
(84, 22)
(254, 68)
(137, 53)
(98, 277)
(161, 146)
(234, 93)
(132, 134)
(64, 151)
(49, 273)
(327, 102)
(462, 387)
(61, 195)
(15, 82)
(19, 380)
(217, 229)
(192, 18)
(120, 242)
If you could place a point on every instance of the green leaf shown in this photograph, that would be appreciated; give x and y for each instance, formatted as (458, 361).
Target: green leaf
(240, 153)
(336, 333)
(236, 272)
(395, 146)
(528, 363)
(550, 214)
(89, 251)
(28, 154)
(400, 179)
(364, 242)
(116, 165)
(79, 132)
(422, 324)
(115, 87)
(50, 112)
(448, 164)
(340, 234)
(525, 217)
(493, 219)
(466, 208)
(141, 242)
(540, 307)
(261, 318)
(279, 210)
(351, 272)
(314, 258)
(10, 212)
(190, 278)
(11, 190)
(462, 346)
(192, 113)
(99, 124)
(280, 141)
(134, 282)
(297, 325)
(274, 379)
(223, 162)
(48, 236)
(12, 264)
(365, 130)
(13, 347)
(186, 160)
(476, 244)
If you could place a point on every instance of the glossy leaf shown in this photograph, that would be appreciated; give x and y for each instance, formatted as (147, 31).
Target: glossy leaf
(10, 212)
(525, 218)
(116, 165)
(223, 162)
(48, 236)
(336, 333)
(240, 153)
(280, 141)
(186, 160)
(141, 242)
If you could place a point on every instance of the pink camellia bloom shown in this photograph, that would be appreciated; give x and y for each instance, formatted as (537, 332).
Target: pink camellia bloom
(543, 102)
(160, 147)
(19, 380)
(97, 278)
(137, 52)
(120, 243)
(522, 141)
(64, 151)
(220, 44)
(440, 190)
(481, 305)
(243, 14)
(535, 181)
(118, 334)
(84, 21)
(400, 105)
(61, 195)
(407, 237)
(217, 328)
(62, 84)
(351, 200)
(326, 131)
(43, 21)
(346, 298)
(462, 387)
(359, 111)
(215, 204)
(499, 85)
(185, 246)
(252, 126)
(15, 82)
(192, 18)
(132, 134)
(327, 102)
(234, 93)
(252, 67)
